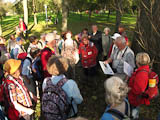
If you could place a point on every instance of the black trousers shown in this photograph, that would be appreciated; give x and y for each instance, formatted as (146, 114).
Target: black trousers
(89, 71)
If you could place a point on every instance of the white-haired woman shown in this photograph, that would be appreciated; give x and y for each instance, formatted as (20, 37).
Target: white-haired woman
(138, 82)
(106, 42)
(116, 92)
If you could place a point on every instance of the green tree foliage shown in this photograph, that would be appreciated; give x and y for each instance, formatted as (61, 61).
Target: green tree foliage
(18, 8)
(4, 8)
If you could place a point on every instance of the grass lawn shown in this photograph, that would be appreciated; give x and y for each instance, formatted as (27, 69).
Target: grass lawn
(93, 92)
(75, 24)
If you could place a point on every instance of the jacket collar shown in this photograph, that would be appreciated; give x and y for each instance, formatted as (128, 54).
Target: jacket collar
(145, 67)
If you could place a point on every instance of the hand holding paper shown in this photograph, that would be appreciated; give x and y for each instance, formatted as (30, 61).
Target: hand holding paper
(106, 68)
(128, 69)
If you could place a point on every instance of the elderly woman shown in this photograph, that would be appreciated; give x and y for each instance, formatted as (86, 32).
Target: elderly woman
(11, 43)
(57, 66)
(79, 36)
(106, 42)
(88, 53)
(121, 54)
(139, 81)
(16, 92)
(70, 49)
(116, 92)
(47, 52)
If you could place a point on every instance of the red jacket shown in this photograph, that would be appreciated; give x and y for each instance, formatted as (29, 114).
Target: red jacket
(138, 84)
(46, 53)
(88, 55)
(23, 25)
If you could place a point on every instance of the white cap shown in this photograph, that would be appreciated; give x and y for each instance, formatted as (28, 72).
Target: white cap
(50, 37)
(115, 36)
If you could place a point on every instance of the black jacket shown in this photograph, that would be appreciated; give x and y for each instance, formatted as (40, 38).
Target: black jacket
(97, 40)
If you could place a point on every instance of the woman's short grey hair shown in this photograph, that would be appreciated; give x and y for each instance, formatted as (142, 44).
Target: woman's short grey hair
(116, 90)
(107, 29)
(121, 39)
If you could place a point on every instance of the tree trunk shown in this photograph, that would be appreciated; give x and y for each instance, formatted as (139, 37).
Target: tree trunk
(1, 26)
(35, 19)
(64, 15)
(90, 14)
(147, 33)
(0, 30)
(81, 15)
(68, 12)
(118, 13)
(109, 12)
(25, 11)
(34, 10)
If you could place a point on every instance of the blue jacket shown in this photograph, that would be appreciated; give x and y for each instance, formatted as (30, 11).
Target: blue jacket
(109, 116)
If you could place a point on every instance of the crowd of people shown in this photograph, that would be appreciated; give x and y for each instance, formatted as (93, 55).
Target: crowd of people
(45, 70)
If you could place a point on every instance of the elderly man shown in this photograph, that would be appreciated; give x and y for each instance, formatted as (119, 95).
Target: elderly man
(121, 53)
(96, 38)
(48, 51)
(106, 42)
(42, 42)
(11, 43)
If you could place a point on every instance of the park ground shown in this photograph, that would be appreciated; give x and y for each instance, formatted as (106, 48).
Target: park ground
(91, 87)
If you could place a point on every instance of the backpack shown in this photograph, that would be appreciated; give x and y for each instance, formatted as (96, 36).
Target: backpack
(39, 71)
(25, 58)
(120, 115)
(54, 101)
(151, 92)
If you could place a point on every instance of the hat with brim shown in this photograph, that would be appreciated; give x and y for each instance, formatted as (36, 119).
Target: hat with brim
(12, 65)
(115, 36)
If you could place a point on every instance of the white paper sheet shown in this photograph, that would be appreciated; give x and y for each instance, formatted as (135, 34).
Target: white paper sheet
(128, 69)
(106, 68)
